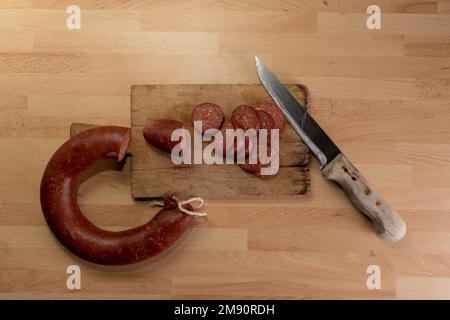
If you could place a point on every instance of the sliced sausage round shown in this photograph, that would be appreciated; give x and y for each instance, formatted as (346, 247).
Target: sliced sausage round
(266, 120)
(228, 149)
(255, 168)
(245, 117)
(267, 123)
(227, 125)
(251, 167)
(275, 113)
(210, 114)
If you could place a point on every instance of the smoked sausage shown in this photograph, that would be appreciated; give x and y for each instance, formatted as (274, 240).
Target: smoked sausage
(267, 123)
(58, 195)
(210, 114)
(266, 120)
(228, 150)
(255, 168)
(227, 125)
(245, 117)
(159, 132)
(275, 113)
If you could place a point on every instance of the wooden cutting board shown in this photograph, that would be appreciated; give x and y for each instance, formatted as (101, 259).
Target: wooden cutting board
(153, 173)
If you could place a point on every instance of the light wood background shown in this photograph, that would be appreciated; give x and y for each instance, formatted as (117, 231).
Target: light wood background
(384, 96)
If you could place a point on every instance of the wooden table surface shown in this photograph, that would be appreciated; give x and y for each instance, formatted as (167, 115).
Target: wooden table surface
(383, 95)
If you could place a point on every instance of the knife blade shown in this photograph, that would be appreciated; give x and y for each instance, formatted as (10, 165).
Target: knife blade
(334, 165)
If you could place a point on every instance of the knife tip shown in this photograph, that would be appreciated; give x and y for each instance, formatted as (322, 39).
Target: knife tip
(257, 60)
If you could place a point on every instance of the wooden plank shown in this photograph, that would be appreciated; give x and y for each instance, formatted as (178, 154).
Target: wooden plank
(443, 6)
(130, 41)
(46, 20)
(219, 182)
(390, 120)
(153, 173)
(392, 23)
(311, 44)
(427, 288)
(202, 18)
(76, 128)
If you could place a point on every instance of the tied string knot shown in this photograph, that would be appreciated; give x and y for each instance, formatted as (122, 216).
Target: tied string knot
(195, 202)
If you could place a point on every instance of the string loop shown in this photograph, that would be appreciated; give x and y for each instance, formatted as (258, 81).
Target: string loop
(196, 203)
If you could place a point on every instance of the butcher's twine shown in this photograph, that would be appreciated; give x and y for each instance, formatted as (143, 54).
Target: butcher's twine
(191, 201)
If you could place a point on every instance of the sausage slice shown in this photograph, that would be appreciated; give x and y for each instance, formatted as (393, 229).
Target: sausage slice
(210, 114)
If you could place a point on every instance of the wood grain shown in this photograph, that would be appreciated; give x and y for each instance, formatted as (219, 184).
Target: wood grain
(389, 116)
(153, 174)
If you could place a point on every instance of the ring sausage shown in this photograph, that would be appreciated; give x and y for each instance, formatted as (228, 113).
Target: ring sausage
(59, 185)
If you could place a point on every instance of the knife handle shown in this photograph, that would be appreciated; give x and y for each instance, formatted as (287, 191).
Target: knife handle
(388, 223)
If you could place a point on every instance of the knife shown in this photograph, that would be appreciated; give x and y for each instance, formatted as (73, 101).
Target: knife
(334, 164)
